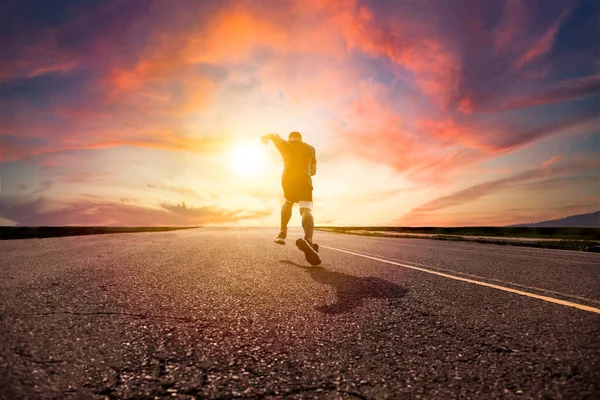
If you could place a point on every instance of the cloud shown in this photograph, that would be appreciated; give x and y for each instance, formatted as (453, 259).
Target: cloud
(212, 214)
(7, 222)
(434, 148)
(566, 90)
(544, 177)
(585, 205)
(42, 211)
(175, 189)
(128, 200)
(560, 183)
(553, 160)
(88, 177)
(431, 89)
(512, 138)
(464, 69)
(150, 139)
(94, 106)
(543, 44)
(523, 56)
(520, 215)
(92, 196)
(39, 38)
(140, 93)
(43, 187)
(412, 43)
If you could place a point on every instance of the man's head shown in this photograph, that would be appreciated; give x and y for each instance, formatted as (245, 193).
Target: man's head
(295, 136)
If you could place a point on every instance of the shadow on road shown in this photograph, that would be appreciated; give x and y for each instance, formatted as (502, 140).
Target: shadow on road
(351, 290)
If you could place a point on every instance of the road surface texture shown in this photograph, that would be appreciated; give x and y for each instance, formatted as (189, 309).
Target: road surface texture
(227, 313)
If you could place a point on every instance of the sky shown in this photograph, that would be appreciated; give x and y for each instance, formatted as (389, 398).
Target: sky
(422, 112)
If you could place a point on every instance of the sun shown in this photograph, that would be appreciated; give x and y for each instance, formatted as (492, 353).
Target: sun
(248, 159)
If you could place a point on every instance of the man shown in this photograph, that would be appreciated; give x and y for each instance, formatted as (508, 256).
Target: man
(300, 165)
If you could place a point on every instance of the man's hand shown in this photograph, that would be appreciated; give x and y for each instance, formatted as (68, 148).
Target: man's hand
(264, 139)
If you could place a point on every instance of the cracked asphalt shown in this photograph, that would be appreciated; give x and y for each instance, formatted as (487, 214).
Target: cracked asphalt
(226, 313)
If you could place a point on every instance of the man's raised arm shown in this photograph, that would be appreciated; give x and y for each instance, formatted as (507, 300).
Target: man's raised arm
(277, 140)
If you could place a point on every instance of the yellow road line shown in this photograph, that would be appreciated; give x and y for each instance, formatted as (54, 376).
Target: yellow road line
(571, 296)
(490, 285)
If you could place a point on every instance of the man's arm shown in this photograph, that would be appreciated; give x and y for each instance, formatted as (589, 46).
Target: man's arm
(313, 163)
(274, 137)
(277, 140)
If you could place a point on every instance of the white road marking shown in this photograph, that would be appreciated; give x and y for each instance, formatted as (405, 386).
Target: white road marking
(490, 285)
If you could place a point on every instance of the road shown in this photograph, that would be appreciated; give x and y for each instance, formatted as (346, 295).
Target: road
(226, 313)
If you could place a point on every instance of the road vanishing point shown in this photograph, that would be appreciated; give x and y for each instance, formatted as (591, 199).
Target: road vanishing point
(213, 313)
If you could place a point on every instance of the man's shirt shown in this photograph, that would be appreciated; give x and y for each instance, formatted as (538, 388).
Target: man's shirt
(298, 158)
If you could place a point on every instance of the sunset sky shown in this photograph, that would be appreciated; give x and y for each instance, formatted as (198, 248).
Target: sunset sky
(422, 112)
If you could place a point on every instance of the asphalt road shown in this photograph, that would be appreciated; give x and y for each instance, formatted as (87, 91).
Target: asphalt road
(218, 313)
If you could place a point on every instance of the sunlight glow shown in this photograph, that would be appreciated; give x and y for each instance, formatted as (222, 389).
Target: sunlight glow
(248, 159)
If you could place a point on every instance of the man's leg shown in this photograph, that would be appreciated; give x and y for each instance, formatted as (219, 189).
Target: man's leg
(308, 223)
(286, 214)
(305, 244)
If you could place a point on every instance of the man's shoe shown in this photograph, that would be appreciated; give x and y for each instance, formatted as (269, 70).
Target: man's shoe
(280, 239)
(309, 251)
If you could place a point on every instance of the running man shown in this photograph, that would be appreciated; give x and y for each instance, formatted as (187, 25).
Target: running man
(299, 165)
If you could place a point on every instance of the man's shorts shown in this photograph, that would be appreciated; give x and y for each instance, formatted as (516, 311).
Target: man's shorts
(298, 191)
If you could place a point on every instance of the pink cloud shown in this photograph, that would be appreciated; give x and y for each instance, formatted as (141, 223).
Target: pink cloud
(512, 25)
(540, 178)
(543, 44)
(37, 59)
(553, 160)
(410, 43)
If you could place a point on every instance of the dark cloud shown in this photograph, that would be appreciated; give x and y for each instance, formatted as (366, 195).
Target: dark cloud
(585, 114)
(40, 37)
(43, 187)
(569, 89)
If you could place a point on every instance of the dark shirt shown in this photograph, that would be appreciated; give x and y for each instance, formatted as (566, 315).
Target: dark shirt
(299, 159)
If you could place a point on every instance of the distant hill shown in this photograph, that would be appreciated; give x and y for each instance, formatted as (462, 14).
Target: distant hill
(591, 220)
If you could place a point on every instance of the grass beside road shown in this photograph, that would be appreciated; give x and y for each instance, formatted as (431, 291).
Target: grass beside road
(30, 232)
(581, 239)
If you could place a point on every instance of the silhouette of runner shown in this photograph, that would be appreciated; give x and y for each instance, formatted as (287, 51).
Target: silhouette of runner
(299, 165)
